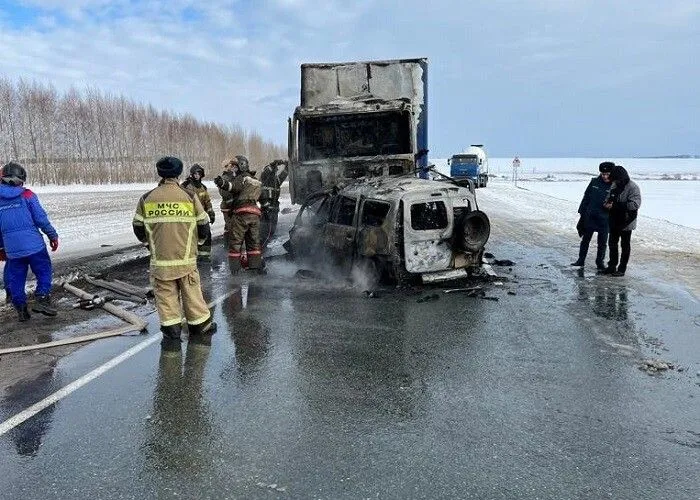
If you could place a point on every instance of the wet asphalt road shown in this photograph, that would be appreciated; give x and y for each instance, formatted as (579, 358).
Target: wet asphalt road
(312, 390)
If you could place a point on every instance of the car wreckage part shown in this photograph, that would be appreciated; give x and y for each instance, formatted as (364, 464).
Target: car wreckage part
(448, 275)
(472, 231)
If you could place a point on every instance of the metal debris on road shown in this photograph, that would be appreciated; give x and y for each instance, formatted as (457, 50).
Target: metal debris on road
(503, 262)
(126, 290)
(467, 290)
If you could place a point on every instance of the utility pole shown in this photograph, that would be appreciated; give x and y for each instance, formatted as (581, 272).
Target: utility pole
(516, 167)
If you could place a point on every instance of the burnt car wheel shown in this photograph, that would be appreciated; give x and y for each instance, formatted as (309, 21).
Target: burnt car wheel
(472, 231)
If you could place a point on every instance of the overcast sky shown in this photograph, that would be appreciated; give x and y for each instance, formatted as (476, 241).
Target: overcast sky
(528, 77)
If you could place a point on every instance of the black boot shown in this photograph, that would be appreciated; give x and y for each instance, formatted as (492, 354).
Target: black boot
(23, 313)
(171, 337)
(42, 304)
(201, 334)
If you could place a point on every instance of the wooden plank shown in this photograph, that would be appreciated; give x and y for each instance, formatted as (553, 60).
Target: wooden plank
(73, 340)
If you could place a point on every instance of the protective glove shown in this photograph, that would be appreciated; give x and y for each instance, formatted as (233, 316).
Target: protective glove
(212, 217)
(219, 181)
(3, 255)
(54, 245)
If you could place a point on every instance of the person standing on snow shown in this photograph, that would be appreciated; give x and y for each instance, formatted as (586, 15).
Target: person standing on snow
(624, 202)
(171, 220)
(194, 185)
(245, 215)
(270, 199)
(22, 245)
(594, 217)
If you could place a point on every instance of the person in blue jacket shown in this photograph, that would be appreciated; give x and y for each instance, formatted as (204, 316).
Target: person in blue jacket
(21, 243)
(8, 295)
(594, 217)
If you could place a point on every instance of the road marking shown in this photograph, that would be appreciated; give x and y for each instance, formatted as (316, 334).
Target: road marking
(28, 413)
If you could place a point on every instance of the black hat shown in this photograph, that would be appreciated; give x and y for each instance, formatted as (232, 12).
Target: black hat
(606, 167)
(619, 175)
(169, 167)
(13, 174)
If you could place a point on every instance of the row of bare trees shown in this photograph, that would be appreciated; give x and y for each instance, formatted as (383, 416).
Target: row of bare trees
(94, 137)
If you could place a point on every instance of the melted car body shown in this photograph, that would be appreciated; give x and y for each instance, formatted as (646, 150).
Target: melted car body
(399, 228)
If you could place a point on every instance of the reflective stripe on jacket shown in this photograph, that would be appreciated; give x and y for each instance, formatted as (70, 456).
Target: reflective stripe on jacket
(245, 190)
(171, 221)
(200, 190)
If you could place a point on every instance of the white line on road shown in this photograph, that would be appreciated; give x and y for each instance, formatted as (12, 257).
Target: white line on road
(28, 413)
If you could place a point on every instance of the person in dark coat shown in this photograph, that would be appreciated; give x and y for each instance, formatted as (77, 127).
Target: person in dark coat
(624, 202)
(272, 180)
(594, 217)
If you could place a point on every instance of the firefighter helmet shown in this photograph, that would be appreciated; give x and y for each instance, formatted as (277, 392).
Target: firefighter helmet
(197, 168)
(243, 165)
(13, 174)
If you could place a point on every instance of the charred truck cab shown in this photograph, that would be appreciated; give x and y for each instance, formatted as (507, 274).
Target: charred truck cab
(357, 119)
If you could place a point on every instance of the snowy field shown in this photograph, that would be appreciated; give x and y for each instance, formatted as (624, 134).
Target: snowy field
(90, 219)
(663, 196)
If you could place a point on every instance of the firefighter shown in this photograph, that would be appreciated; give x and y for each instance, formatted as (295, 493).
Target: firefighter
(196, 187)
(245, 215)
(226, 198)
(171, 220)
(269, 199)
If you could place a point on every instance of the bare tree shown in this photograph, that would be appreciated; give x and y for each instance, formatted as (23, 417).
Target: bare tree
(96, 137)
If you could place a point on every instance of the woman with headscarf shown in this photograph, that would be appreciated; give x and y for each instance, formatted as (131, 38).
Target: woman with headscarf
(623, 203)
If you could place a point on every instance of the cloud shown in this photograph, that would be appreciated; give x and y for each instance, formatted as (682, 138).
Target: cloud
(235, 61)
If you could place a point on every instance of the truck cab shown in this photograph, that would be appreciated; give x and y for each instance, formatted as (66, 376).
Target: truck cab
(357, 119)
(472, 164)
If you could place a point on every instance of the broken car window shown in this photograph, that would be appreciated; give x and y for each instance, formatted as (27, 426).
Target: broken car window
(315, 212)
(374, 213)
(344, 211)
(427, 216)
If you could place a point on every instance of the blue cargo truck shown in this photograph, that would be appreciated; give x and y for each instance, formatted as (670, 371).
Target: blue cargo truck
(357, 119)
(473, 164)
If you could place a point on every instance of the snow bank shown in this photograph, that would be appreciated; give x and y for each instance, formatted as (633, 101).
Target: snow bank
(563, 169)
(557, 213)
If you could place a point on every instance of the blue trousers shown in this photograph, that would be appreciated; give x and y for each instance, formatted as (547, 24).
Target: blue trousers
(16, 274)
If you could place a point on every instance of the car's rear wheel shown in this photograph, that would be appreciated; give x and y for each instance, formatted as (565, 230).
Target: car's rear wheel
(472, 231)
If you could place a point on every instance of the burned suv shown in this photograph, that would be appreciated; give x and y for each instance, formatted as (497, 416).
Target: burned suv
(395, 228)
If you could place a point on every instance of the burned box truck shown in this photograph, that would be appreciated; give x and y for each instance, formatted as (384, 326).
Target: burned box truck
(357, 119)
